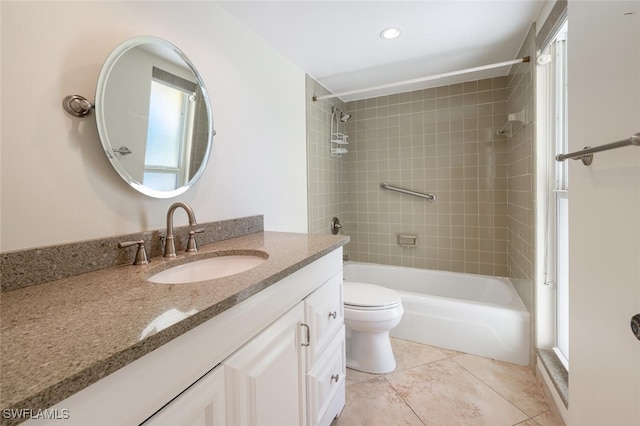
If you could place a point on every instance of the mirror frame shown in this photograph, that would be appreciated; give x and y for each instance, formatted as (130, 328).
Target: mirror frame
(101, 89)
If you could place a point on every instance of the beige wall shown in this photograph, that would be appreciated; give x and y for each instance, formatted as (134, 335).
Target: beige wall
(57, 185)
(441, 140)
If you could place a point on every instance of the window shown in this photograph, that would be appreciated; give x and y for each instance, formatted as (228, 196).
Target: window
(553, 81)
(169, 133)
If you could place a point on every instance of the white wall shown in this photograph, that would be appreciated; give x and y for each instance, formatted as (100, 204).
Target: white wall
(604, 203)
(57, 185)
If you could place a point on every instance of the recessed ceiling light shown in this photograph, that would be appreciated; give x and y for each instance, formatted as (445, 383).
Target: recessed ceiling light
(390, 33)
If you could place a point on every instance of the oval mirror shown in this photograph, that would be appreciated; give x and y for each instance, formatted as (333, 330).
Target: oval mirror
(154, 117)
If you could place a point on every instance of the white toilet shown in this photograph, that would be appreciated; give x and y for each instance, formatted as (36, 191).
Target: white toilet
(370, 312)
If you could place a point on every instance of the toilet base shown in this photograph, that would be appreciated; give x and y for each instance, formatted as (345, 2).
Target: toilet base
(370, 352)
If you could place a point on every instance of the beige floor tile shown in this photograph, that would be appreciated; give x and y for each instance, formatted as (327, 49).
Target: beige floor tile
(529, 422)
(375, 403)
(450, 352)
(410, 354)
(444, 393)
(548, 418)
(515, 383)
(355, 376)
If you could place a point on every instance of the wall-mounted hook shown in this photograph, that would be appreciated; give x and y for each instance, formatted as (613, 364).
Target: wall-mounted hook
(77, 105)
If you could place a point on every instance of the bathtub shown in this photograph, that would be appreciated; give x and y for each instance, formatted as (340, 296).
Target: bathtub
(476, 314)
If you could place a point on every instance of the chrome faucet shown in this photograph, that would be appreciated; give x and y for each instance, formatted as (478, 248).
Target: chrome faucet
(169, 246)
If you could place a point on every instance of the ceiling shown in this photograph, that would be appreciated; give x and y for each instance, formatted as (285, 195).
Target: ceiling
(338, 43)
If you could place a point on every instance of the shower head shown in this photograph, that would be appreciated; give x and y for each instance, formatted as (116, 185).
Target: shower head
(344, 117)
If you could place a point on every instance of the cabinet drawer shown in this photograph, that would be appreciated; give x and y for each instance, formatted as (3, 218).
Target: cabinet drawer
(324, 315)
(326, 383)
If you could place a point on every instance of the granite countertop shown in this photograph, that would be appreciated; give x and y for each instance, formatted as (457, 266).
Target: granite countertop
(60, 337)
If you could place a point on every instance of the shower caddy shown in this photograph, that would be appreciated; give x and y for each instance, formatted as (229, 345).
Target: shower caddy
(338, 139)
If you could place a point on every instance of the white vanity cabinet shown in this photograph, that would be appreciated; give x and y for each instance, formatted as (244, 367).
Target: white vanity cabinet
(325, 355)
(260, 384)
(264, 377)
(202, 404)
(276, 358)
(293, 372)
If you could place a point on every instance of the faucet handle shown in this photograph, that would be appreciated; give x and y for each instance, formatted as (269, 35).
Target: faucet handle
(141, 254)
(191, 245)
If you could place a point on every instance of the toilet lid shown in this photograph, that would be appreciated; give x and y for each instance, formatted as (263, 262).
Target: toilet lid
(369, 295)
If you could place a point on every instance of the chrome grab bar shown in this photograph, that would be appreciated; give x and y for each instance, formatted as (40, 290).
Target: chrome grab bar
(586, 155)
(430, 197)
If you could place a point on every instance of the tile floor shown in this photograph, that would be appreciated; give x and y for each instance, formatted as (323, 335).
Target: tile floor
(435, 386)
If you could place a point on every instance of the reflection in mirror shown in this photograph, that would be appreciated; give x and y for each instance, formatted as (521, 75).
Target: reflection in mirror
(154, 117)
(170, 134)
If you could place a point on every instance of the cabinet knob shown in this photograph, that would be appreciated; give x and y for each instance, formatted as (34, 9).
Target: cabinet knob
(333, 314)
(335, 378)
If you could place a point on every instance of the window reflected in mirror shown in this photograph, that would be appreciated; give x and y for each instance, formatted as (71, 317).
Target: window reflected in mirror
(154, 117)
(170, 133)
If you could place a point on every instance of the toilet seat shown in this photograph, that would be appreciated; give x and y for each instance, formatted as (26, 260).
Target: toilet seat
(369, 297)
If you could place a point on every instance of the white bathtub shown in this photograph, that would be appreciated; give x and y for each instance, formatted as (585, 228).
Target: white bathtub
(476, 314)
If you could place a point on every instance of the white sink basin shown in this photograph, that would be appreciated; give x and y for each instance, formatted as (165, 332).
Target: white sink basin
(207, 269)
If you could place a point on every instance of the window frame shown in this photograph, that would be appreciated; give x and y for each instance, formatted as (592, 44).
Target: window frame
(554, 93)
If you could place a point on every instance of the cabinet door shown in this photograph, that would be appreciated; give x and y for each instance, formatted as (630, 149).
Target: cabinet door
(202, 404)
(265, 378)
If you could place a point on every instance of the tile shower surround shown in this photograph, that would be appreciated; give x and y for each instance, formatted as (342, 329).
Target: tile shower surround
(441, 140)
(327, 195)
(521, 173)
